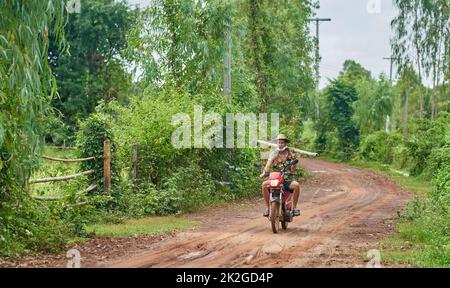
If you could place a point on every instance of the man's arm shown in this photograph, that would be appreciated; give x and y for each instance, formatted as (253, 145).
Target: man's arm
(272, 157)
(266, 168)
(293, 167)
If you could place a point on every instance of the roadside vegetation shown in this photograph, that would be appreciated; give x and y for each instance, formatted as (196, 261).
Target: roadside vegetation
(422, 233)
(68, 82)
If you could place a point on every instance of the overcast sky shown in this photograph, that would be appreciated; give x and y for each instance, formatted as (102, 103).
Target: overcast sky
(359, 30)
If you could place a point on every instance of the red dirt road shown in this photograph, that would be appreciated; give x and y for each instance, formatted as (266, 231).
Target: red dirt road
(344, 212)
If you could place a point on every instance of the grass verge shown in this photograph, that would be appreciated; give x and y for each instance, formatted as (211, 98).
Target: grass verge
(143, 226)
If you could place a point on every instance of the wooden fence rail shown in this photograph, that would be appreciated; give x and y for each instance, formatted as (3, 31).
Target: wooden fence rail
(61, 178)
(106, 173)
(67, 160)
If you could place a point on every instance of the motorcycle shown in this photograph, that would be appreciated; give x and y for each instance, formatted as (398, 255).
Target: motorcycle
(281, 205)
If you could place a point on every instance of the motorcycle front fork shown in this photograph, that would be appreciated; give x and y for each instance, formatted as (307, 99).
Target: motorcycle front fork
(279, 197)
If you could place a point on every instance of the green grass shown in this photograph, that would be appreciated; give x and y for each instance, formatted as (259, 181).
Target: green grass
(417, 185)
(50, 168)
(143, 226)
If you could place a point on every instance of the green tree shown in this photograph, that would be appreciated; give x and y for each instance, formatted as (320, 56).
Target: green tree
(374, 104)
(184, 43)
(354, 72)
(181, 42)
(339, 98)
(95, 67)
(279, 50)
(406, 85)
(422, 36)
(26, 84)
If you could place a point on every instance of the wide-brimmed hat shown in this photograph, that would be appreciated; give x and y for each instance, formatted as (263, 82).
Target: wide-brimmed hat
(282, 137)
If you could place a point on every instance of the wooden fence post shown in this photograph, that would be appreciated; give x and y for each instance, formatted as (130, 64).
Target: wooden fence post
(134, 153)
(107, 166)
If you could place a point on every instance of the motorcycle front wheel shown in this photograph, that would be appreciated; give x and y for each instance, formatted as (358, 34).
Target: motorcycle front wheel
(275, 216)
(284, 222)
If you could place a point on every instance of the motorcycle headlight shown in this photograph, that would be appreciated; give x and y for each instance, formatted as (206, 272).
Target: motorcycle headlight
(274, 182)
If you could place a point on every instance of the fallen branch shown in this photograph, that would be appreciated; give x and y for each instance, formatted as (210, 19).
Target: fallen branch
(60, 178)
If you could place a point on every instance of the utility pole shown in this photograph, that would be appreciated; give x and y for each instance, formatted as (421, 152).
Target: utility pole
(317, 20)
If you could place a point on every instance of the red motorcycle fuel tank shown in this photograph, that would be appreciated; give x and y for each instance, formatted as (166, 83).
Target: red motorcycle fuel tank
(275, 180)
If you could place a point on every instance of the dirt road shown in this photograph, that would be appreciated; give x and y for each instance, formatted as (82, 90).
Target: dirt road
(344, 212)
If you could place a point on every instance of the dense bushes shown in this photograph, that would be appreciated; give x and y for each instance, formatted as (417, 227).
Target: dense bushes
(427, 135)
(28, 226)
(192, 187)
(426, 223)
(169, 179)
(438, 160)
(380, 147)
(93, 132)
(426, 153)
(187, 189)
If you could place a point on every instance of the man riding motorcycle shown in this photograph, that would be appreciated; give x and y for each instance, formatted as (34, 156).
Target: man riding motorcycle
(279, 159)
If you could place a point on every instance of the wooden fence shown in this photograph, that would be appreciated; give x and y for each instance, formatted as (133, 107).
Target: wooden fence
(106, 173)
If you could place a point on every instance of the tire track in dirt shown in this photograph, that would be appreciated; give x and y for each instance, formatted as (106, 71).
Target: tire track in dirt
(341, 207)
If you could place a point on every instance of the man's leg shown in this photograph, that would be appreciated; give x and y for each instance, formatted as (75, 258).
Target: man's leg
(296, 187)
(265, 192)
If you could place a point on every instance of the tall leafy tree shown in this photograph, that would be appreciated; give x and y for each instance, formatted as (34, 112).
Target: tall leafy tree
(375, 102)
(94, 68)
(407, 84)
(26, 84)
(339, 98)
(184, 43)
(422, 37)
(279, 50)
(354, 72)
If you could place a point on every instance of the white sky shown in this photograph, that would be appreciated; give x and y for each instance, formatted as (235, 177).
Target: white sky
(359, 30)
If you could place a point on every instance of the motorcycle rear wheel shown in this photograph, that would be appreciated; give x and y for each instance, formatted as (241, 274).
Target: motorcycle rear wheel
(275, 216)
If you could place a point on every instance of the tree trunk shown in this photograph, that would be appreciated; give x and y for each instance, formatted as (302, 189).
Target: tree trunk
(420, 86)
(253, 23)
(405, 114)
(433, 104)
(227, 66)
(388, 124)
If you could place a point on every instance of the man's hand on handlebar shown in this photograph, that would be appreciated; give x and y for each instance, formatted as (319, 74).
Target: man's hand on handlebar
(264, 174)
